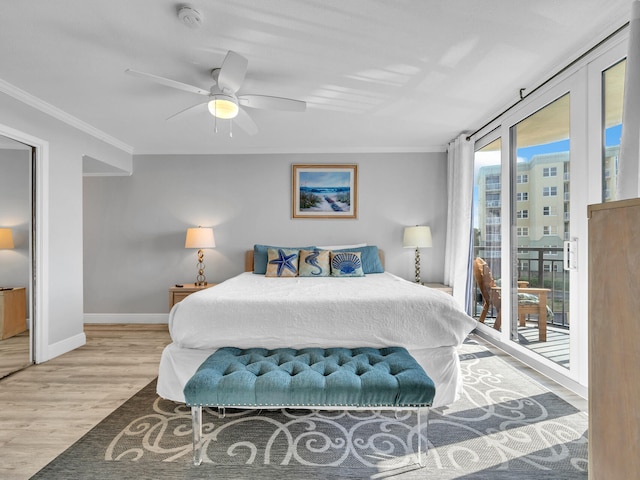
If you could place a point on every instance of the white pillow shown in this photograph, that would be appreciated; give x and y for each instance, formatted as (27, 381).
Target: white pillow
(341, 247)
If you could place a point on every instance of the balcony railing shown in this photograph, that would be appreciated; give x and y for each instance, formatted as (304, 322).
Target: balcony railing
(542, 268)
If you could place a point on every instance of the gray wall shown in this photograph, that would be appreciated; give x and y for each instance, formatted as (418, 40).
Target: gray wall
(134, 227)
(61, 144)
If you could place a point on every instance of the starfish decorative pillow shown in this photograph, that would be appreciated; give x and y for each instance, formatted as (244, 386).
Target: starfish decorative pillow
(282, 262)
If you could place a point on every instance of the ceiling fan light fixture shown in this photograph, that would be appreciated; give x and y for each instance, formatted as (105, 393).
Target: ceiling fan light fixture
(223, 106)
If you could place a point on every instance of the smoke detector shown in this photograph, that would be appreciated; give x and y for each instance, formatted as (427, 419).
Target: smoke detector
(190, 17)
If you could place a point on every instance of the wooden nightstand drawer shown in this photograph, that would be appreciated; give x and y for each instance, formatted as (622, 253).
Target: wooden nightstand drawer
(13, 312)
(177, 294)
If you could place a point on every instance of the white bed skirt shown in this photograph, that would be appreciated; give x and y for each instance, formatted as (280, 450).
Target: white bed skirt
(178, 365)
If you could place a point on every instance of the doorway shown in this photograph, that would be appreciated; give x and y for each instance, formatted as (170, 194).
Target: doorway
(17, 220)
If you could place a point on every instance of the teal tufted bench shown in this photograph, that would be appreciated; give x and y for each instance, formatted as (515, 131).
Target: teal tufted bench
(322, 378)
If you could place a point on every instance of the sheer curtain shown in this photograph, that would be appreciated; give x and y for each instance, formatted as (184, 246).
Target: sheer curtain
(460, 196)
(629, 163)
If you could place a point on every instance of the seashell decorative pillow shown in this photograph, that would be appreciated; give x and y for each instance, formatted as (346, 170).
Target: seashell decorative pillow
(346, 264)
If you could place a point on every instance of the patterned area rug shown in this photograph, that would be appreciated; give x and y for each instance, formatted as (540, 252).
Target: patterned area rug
(505, 426)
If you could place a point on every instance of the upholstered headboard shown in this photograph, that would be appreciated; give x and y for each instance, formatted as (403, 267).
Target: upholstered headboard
(248, 260)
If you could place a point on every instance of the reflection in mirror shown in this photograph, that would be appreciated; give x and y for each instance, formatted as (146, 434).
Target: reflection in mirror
(15, 255)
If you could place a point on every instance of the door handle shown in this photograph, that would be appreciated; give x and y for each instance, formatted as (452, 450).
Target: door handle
(570, 259)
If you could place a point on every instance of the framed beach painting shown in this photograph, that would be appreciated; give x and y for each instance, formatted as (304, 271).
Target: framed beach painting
(325, 191)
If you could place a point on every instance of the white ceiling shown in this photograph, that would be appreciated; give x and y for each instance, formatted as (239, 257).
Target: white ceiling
(378, 75)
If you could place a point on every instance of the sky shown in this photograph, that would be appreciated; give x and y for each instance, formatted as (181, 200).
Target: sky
(325, 179)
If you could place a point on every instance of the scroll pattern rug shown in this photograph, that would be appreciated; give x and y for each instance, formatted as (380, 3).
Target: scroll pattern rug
(505, 426)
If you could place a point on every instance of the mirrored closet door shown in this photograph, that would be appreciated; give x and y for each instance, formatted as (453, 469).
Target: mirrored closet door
(16, 254)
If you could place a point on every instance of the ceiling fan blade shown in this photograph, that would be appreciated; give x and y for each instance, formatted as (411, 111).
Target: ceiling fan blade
(167, 82)
(272, 103)
(232, 72)
(200, 107)
(246, 123)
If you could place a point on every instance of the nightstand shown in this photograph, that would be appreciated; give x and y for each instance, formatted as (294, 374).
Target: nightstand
(13, 312)
(177, 294)
(440, 286)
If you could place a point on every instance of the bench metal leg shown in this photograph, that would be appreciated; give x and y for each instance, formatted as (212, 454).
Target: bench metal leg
(426, 433)
(196, 425)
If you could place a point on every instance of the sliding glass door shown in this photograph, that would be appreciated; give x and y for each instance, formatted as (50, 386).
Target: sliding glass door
(613, 96)
(540, 218)
(536, 170)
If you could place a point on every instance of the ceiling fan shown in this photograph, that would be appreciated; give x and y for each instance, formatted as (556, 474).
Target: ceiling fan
(223, 101)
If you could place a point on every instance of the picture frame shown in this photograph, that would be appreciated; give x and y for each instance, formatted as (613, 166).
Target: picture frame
(324, 191)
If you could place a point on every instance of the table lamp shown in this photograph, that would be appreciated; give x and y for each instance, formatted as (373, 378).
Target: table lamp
(417, 237)
(6, 238)
(200, 238)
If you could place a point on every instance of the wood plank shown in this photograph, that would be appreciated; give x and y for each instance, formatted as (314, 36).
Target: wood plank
(61, 400)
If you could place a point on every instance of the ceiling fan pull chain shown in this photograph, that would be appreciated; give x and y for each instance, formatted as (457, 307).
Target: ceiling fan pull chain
(230, 128)
(215, 124)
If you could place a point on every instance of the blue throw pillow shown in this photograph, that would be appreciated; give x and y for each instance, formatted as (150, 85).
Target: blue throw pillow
(370, 259)
(260, 256)
(346, 264)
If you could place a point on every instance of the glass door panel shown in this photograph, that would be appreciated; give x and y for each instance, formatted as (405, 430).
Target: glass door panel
(613, 97)
(487, 223)
(540, 225)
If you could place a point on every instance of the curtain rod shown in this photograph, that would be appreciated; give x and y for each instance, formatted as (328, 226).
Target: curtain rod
(559, 72)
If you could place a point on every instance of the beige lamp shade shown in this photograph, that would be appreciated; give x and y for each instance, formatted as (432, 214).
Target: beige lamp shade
(200, 237)
(417, 237)
(6, 238)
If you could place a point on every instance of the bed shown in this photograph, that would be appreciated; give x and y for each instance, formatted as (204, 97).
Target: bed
(375, 310)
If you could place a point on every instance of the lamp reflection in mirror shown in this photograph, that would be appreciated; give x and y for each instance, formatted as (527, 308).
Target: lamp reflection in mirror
(200, 238)
(417, 237)
(6, 238)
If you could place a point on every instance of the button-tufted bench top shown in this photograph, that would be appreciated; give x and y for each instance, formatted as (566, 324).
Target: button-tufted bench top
(336, 377)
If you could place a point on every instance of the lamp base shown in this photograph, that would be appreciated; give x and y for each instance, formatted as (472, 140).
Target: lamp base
(417, 265)
(201, 280)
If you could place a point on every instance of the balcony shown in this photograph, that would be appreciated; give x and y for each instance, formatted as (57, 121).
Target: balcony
(540, 267)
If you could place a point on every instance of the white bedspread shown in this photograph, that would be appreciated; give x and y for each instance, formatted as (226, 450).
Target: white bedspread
(373, 311)
(377, 310)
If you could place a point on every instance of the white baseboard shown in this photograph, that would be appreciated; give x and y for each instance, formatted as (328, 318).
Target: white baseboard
(64, 346)
(152, 318)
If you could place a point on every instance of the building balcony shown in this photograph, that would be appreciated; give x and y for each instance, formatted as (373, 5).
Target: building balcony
(540, 268)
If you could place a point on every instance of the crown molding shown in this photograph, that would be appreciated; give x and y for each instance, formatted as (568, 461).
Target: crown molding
(55, 112)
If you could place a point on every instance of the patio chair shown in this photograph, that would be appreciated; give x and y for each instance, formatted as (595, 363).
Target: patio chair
(530, 300)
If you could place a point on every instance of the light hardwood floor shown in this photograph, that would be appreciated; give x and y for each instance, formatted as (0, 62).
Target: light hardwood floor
(14, 353)
(47, 407)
